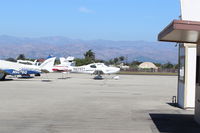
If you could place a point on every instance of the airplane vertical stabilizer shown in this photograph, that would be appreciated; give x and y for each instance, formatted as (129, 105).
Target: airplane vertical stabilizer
(48, 64)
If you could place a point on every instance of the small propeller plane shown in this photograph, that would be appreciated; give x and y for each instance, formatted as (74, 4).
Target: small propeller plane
(68, 65)
(64, 65)
(13, 68)
(96, 69)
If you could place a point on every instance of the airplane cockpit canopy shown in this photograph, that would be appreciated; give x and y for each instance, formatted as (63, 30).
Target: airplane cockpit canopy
(93, 66)
(99, 65)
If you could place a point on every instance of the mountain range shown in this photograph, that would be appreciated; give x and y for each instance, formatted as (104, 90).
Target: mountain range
(41, 47)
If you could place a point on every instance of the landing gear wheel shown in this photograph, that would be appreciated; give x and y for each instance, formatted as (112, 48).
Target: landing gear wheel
(38, 74)
(3, 78)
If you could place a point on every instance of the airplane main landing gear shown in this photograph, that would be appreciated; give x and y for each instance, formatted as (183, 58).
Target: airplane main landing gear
(98, 77)
(2, 77)
(38, 74)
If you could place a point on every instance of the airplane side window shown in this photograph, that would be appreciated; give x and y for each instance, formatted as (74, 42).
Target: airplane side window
(93, 66)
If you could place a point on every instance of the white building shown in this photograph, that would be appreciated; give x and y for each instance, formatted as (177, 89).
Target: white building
(187, 32)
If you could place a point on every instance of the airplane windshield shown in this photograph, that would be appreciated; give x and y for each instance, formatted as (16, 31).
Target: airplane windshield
(93, 66)
(105, 65)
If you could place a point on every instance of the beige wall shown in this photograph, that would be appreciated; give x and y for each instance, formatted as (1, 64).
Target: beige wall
(187, 82)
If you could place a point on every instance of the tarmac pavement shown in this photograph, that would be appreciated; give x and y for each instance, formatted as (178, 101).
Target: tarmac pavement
(80, 104)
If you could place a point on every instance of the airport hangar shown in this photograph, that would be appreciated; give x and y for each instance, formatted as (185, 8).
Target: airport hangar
(186, 32)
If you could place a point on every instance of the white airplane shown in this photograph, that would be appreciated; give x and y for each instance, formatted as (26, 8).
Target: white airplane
(13, 68)
(64, 65)
(96, 69)
(69, 61)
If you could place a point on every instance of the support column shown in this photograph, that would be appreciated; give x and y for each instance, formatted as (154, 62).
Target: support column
(187, 74)
(190, 11)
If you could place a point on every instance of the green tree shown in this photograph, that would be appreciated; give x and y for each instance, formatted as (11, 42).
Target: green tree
(111, 61)
(176, 66)
(89, 58)
(11, 59)
(80, 62)
(121, 58)
(116, 60)
(21, 57)
(90, 55)
(158, 64)
(136, 63)
(168, 65)
(99, 60)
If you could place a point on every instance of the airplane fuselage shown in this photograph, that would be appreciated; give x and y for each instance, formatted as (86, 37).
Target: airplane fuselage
(13, 68)
(95, 67)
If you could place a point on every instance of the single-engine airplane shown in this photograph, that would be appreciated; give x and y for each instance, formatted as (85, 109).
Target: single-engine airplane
(13, 68)
(96, 69)
(64, 65)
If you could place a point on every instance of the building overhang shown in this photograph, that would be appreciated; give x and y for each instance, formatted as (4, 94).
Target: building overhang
(181, 31)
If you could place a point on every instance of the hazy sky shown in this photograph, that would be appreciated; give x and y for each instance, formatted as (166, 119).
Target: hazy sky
(87, 19)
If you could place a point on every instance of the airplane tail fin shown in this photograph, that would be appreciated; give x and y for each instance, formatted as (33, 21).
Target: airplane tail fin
(69, 61)
(35, 62)
(62, 60)
(47, 65)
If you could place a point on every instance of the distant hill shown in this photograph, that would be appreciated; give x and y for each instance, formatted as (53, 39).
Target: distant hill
(105, 49)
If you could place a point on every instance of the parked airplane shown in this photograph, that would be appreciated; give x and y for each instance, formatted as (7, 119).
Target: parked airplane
(68, 65)
(64, 65)
(13, 68)
(96, 69)
(69, 61)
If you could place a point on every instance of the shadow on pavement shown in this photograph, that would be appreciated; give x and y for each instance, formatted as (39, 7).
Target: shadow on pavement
(175, 123)
(28, 77)
(65, 78)
(173, 105)
(6, 80)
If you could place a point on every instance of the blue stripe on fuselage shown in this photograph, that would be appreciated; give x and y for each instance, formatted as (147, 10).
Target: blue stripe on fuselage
(21, 72)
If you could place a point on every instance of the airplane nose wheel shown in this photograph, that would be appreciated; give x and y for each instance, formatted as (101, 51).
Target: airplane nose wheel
(2, 77)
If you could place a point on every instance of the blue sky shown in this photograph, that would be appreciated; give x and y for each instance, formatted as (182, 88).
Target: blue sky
(87, 19)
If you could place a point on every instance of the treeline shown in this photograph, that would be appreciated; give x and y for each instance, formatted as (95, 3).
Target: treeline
(167, 65)
(89, 57)
(19, 57)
